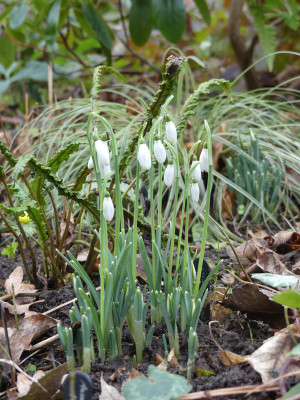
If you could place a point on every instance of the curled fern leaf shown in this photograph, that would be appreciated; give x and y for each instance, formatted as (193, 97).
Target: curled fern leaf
(191, 104)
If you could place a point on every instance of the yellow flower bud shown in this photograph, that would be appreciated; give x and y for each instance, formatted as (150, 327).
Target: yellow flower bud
(25, 218)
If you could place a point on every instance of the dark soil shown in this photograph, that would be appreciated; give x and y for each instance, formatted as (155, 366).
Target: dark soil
(232, 334)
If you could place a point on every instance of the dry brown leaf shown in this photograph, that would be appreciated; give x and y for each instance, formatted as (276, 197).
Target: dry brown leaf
(82, 256)
(256, 303)
(268, 358)
(134, 374)
(24, 384)
(259, 234)
(228, 358)
(249, 250)
(109, 392)
(270, 262)
(217, 148)
(159, 359)
(30, 329)
(70, 232)
(228, 200)
(163, 365)
(14, 285)
(51, 382)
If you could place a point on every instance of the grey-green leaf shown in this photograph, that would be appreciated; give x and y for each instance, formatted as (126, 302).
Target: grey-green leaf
(204, 10)
(160, 385)
(170, 18)
(140, 21)
(276, 280)
(17, 16)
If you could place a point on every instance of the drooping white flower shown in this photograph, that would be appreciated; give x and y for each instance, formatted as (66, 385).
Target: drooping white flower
(159, 151)
(171, 132)
(104, 169)
(204, 160)
(102, 152)
(195, 191)
(196, 173)
(144, 156)
(169, 175)
(108, 208)
(90, 163)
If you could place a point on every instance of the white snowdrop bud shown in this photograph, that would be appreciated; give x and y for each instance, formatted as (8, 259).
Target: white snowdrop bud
(171, 132)
(144, 156)
(102, 152)
(204, 160)
(195, 191)
(196, 173)
(169, 174)
(108, 208)
(159, 151)
(90, 163)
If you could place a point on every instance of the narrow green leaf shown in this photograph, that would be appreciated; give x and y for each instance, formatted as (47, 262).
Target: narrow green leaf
(170, 18)
(17, 16)
(140, 21)
(52, 22)
(288, 298)
(204, 10)
(98, 25)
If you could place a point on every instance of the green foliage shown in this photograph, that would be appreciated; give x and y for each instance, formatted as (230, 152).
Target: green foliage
(276, 280)
(160, 385)
(52, 22)
(170, 18)
(204, 10)
(253, 173)
(288, 298)
(140, 21)
(10, 249)
(267, 36)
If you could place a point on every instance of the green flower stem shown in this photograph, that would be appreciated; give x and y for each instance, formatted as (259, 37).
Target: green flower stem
(135, 219)
(206, 216)
(34, 277)
(11, 229)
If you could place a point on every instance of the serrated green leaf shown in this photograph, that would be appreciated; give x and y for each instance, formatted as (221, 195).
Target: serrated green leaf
(267, 36)
(46, 173)
(21, 164)
(18, 16)
(288, 298)
(35, 215)
(169, 17)
(16, 211)
(161, 385)
(98, 25)
(62, 155)
(52, 22)
(204, 10)
(140, 21)
(276, 280)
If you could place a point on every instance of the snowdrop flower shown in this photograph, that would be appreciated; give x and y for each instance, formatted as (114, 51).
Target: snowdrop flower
(159, 151)
(195, 191)
(104, 170)
(171, 132)
(90, 163)
(108, 208)
(204, 160)
(102, 152)
(169, 174)
(196, 173)
(144, 156)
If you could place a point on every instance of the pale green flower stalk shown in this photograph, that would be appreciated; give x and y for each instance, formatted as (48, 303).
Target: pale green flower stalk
(206, 217)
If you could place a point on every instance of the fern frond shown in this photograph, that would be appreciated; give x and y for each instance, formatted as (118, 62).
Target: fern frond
(267, 37)
(190, 106)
